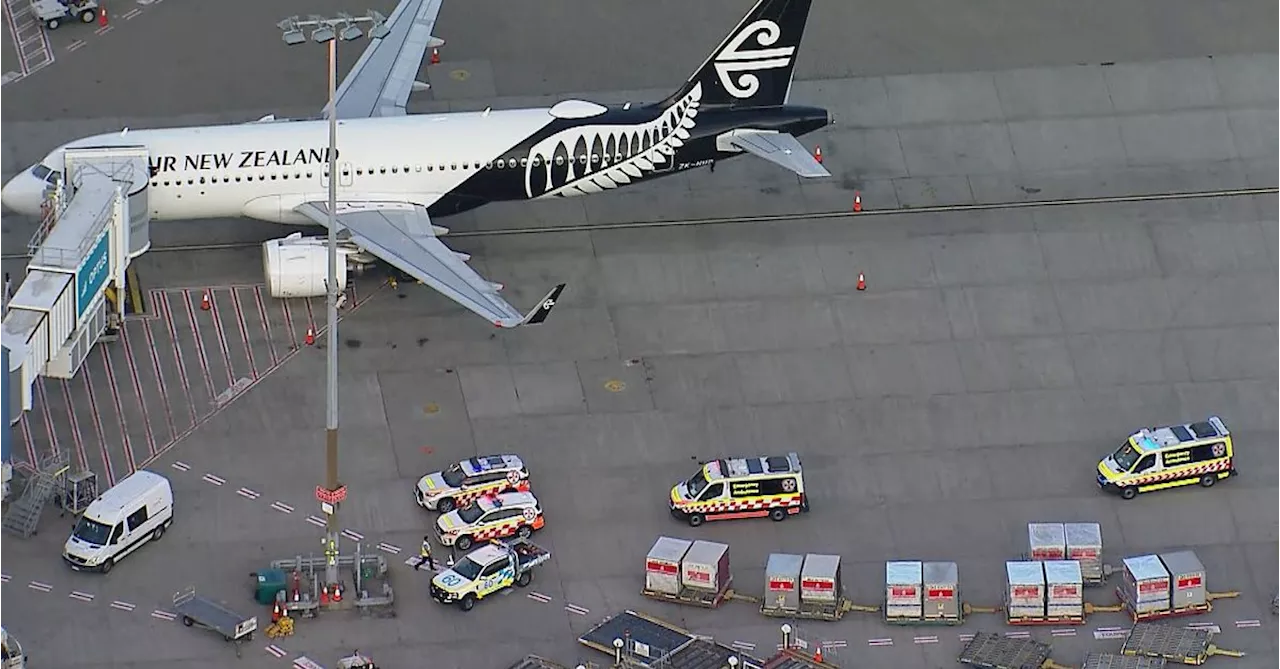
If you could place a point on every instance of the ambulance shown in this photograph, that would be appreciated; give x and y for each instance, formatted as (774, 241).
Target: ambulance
(1168, 457)
(732, 488)
(490, 517)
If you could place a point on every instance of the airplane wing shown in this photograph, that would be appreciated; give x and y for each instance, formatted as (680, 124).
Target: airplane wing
(380, 82)
(401, 234)
(779, 148)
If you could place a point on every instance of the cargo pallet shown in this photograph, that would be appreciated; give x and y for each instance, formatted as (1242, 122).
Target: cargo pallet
(1113, 661)
(1046, 620)
(1144, 616)
(809, 611)
(691, 597)
(996, 651)
(1172, 643)
(924, 620)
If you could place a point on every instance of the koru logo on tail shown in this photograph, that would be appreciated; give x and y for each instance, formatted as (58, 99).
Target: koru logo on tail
(736, 66)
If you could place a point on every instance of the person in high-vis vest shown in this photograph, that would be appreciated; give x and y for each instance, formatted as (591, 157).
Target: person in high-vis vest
(424, 555)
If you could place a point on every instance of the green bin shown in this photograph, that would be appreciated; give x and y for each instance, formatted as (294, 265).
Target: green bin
(269, 582)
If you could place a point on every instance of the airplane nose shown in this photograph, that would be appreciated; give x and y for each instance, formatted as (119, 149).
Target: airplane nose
(22, 194)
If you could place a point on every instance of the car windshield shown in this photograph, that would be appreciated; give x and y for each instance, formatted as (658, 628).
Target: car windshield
(453, 476)
(467, 568)
(1126, 457)
(696, 483)
(92, 532)
(470, 513)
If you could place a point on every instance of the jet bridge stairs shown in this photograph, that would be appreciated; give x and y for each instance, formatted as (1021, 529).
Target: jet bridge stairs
(96, 220)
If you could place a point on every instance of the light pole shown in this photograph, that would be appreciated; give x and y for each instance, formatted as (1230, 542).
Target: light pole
(342, 27)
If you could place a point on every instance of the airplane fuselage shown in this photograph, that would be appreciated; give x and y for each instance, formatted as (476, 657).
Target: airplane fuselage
(448, 163)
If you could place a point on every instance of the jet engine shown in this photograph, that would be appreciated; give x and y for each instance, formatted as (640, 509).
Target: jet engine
(297, 266)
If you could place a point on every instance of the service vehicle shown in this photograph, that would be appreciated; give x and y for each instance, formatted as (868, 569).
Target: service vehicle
(489, 569)
(490, 517)
(204, 612)
(136, 510)
(53, 12)
(464, 481)
(11, 655)
(731, 488)
(1168, 457)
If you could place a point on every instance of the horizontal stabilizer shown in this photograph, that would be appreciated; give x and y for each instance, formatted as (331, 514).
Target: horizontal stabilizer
(778, 148)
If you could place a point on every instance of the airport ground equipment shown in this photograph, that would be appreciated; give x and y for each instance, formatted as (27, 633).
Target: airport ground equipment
(23, 515)
(78, 492)
(301, 590)
(1081, 542)
(1173, 643)
(280, 628)
(996, 651)
(208, 614)
(688, 572)
(1113, 661)
(1166, 585)
(11, 653)
(634, 639)
(97, 220)
(53, 13)
(923, 593)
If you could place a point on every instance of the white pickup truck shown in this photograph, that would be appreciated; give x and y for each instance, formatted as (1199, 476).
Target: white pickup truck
(484, 571)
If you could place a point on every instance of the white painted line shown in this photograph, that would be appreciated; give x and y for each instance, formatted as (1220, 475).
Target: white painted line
(835, 644)
(10, 77)
(353, 535)
(318, 522)
(1062, 632)
(411, 561)
(247, 493)
(1248, 623)
(743, 645)
(276, 650)
(42, 587)
(4, 578)
(123, 606)
(82, 596)
(1017, 635)
(75, 45)
(925, 639)
(164, 615)
(388, 548)
(104, 30)
(880, 642)
(177, 464)
(210, 478)
(1110, 629)
(574, 608)
(1102, 635)
(966, 637)
(29, 40)
(1200, 625)
(539, 597)
(1214, 629)
(131, 13)
(281, 507)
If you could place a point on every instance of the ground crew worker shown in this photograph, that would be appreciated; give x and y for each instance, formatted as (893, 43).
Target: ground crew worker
(424, 554)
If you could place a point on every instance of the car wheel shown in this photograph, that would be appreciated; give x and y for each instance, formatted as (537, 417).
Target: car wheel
(463, 542)
(88, 16)
(186, 620)
(446, 505)
(106, 566)
(696, 519)
(1208, 480)
(524, 532)
(155, 536)
(525, 578)
(467, 603)
(52, 24)
(778, 515)
(1128, 492)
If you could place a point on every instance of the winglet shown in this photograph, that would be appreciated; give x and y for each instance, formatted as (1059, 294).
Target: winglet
(540, 312)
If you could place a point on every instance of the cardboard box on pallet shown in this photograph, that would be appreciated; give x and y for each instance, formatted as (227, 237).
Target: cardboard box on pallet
(706, 567)
(1024, 597)
(782, 581)
(903, 586)
(941, 590)
(662, 565)
(1048, 541)
(1146, 584)
(820, 579)
(1084, 545)
(1186, 573)
(1064, 587)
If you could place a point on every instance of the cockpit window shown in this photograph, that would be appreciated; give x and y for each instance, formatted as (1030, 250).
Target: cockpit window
(45, 174)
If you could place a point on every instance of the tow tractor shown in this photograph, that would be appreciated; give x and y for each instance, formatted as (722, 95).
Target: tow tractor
(487, 570)
(53, 12)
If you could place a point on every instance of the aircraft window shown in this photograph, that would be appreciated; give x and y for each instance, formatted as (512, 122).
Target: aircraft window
(154, 184)
(441, 166)
(524, 162)
(382, 170)
(395, 170)
(430, 167)
(537, 162)
(191, 182)
(488, 165)
(406, 169)
(346, 171)
(511, 163)
(454, 166)
(359, 172)
(583, 159)
(273, 177)
(201, 179)
(310, 175)
(40, 171)
(237, 180)
(297, 175)
(595, 158)
(284, 176)
(559, 160)
(417, 168)
(226, 180)
(166, 183)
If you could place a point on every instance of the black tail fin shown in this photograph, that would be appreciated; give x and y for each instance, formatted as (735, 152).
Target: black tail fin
(752, 67)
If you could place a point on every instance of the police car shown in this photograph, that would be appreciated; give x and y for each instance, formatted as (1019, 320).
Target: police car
(490, 517)
(461, 483)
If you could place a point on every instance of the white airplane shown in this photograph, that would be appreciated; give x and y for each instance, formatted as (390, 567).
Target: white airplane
(398, 172)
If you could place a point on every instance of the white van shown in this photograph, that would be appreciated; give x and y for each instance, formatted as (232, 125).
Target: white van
(137, 509)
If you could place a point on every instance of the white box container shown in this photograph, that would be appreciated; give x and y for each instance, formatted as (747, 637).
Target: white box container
(662, 565)
(1063, 581)
(782, 581)
(1145, 587)
(1048, 541)
(941, 590)
(1084, 545)
(908, 611)
(904, 585)
(706, 567)
(820, 579)
(1186, 573)
(1025, 580)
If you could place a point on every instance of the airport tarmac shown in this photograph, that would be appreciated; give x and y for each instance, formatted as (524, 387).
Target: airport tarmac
(993, 358)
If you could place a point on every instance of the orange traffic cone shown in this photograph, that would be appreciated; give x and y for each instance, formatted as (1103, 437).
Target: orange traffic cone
(857, 201)
(337, 592)
(102, 16)
(205, 303)
(862, 281)
(817, 154)
(324, 596)
(311, 336)
(817, 655)
(275, 612)
(435, 56)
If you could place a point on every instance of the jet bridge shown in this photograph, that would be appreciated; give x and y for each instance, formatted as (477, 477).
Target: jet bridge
(96, 219)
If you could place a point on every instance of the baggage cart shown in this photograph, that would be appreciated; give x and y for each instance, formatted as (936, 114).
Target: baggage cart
(705, 579)
(1175, 644)
(53, 13)
(1113, 661)
(1147, 589)
(1084, 545)
(782, 584)
(996, 651)
(1047, 541)
(208, 614)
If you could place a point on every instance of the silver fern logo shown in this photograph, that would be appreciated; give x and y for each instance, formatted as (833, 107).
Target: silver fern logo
(594, 158)
(737, 66)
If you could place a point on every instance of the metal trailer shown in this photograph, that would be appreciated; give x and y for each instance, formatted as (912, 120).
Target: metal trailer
(637, 640)
(54, 12)
(208, 614)
(1175, 644)
(1113, 661)
(996, 651)
(791, 658)
(536, 662)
